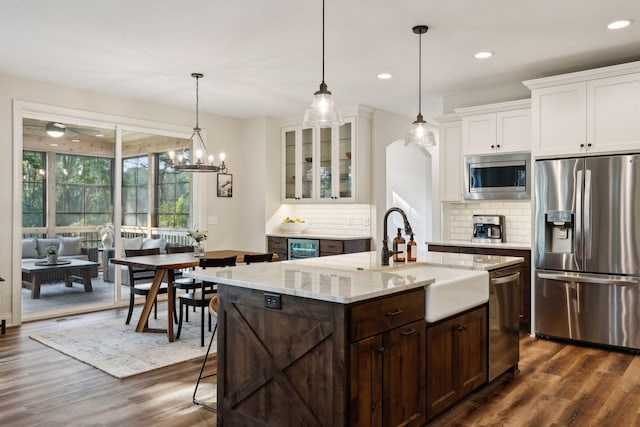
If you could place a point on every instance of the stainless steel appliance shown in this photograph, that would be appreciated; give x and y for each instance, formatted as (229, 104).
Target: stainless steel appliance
(303, 248)
(497, 176)
(504, 321)
(488, 229)
(587, 249)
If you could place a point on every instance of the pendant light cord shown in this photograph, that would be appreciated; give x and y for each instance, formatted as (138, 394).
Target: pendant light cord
(322, 41)
(420, 74)
(197, 102)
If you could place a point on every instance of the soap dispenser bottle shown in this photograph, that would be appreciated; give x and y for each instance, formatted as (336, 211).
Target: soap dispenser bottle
(412, 249)
(399, 247)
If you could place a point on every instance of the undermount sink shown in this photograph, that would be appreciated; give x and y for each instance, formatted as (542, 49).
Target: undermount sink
(454, 290)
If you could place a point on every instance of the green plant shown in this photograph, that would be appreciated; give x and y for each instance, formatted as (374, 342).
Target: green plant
(52, 250)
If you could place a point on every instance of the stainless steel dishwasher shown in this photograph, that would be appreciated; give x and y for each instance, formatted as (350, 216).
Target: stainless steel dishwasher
(504, 327)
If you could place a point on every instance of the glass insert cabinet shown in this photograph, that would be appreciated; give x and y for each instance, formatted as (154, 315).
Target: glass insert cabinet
(319, 163)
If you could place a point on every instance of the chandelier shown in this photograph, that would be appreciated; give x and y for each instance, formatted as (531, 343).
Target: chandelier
(200, 160)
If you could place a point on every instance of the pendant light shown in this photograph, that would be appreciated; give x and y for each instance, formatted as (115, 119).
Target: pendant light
(181, 163)
(323, 112)
(420, 133)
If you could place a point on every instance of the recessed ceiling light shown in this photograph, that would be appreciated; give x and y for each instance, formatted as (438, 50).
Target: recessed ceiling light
(99, 135)
(53, 144)
(483, 54)
(616, 25)
(384, 76)
(75, 140)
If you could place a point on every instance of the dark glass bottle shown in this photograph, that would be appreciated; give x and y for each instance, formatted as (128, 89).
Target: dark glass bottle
(399, 246)
(412, 249)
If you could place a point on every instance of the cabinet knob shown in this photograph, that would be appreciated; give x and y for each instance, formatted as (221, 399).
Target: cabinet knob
(589, 145)
(492, 146)
(581, 145)
(380, 349)
(461, 328)
(498, 145)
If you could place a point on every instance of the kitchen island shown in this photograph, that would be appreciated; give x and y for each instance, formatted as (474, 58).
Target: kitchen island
(339, 340)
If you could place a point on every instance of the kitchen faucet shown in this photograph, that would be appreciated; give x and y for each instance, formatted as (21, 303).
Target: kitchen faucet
(386, 254)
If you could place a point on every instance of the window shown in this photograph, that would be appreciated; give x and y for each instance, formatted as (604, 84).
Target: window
(34, 184)
(83, 190)
(173, 195)
(135, 191)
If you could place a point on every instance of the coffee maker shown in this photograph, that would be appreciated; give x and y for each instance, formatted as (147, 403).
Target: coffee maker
(488, 229)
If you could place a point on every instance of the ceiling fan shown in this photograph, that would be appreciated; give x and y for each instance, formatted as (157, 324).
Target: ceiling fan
(57, 129)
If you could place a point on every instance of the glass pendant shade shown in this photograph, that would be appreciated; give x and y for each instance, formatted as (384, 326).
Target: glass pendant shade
(420, 133)
(322, 112)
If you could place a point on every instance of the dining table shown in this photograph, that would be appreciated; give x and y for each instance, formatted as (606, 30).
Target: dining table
(164, 265)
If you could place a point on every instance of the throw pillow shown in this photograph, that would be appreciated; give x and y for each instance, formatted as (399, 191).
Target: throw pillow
(70, 246)
(155, 243)
(135, 243)
(43, 244)
(29, 248)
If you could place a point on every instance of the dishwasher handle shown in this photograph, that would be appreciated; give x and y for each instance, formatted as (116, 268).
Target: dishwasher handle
(505, 279)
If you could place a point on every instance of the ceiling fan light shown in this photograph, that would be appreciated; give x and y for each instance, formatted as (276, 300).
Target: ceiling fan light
(55, 130)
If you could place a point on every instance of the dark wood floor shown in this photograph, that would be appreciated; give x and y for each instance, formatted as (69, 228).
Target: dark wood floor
(558, 385)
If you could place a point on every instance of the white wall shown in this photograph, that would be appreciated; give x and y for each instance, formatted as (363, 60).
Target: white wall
(222, 134)
(409, 188)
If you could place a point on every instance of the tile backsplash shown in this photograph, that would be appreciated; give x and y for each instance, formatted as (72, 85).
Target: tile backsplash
(457, 219)
(335, 219)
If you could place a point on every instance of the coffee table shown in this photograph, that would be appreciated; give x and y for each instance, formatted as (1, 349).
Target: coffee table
(75, 270)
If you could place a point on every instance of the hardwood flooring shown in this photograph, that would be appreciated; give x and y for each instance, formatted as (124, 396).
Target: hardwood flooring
(558, 384)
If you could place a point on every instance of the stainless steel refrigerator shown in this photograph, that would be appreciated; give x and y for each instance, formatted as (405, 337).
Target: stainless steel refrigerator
(587, 249)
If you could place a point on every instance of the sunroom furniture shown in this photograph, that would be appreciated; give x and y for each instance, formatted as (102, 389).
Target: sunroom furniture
(37, 272)
(35, 249)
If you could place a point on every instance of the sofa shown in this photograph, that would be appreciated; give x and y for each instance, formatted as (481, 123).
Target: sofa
(35, 249)
(134, 243)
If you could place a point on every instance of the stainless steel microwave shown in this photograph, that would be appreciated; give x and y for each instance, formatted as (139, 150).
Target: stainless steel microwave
(497, 177)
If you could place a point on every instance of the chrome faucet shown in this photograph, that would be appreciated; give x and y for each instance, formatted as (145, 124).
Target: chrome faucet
(386, 254)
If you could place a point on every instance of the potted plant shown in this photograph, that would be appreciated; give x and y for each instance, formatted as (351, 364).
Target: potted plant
(198, 237)
(52, 255)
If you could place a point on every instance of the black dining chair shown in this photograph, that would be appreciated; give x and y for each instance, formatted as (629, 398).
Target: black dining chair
(179, 282)
(140, 281)
(248, 258)
(201, 297)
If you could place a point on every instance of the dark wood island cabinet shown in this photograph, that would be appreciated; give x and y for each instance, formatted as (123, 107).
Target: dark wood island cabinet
(320, 363)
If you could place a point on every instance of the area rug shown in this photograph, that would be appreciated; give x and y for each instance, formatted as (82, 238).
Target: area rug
(118, 350)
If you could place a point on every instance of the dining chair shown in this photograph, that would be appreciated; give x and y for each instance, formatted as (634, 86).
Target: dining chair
(249, 258)
(201, 297)
(140, 281)
(213, 312)
(179, 282)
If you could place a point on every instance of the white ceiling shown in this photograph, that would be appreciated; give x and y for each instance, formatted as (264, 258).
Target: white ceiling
(263, 57)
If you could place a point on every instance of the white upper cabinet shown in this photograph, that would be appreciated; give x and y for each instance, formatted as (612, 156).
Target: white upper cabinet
(613, 113)
(328, 164)
(496, 128)
(588, 112)
(451, 172)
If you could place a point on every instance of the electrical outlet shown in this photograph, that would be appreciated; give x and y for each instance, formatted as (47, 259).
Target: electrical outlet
(272, 301)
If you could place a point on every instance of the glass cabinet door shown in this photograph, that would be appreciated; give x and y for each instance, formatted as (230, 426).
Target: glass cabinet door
(290, 164)
(325, 165)
(307, 164)
(345, 150)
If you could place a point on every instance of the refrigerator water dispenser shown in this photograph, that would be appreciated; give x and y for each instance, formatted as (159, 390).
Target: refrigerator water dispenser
(559, 232)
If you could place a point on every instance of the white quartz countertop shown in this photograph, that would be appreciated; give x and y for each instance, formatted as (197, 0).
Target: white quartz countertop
(316, 236)
(469, 243)
(348, 278)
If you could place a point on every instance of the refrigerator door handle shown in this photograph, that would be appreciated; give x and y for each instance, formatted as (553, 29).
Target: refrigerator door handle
(586, 222)
(577, 236)
(604, 280)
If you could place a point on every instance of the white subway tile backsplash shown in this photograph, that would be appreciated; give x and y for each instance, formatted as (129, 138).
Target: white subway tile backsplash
(458, 219)
(343, 220)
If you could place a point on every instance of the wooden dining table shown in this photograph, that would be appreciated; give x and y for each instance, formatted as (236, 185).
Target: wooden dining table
(165, 264)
